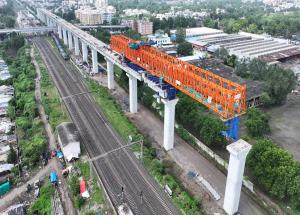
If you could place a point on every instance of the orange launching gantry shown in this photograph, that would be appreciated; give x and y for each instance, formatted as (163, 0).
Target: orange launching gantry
(226, 98)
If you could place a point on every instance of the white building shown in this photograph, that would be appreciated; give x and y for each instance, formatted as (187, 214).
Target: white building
(92, 16)
(6, 125)
(4, 100)
(68, 139)
(101, 4)
(136, 12)
(159, 38)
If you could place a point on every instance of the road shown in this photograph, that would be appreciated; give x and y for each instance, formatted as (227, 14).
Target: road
(117, 170)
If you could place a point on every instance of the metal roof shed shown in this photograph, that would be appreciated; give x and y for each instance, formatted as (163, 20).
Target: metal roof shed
(68, 139)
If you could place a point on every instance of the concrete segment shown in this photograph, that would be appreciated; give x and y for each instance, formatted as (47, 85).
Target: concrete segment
(133, 103)
(76, 42)
(95, 60)
(238, 152)
(84, 52)
(59, 32)
(110, 75)
(169, 123)
(70, 39)
(65, 36)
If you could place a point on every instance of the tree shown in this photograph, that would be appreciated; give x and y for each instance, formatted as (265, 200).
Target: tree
(279, 83)
(257, 122)
(12, 157)
(133, 34)
(210, 132)
(275, 170)
(184, 49)
(180, 35)
(221, 53)
(258, 69)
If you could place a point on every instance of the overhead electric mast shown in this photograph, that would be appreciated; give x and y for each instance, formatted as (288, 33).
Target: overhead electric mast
(226, 98)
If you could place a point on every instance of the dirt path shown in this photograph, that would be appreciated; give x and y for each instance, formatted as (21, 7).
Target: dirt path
(9, 198)
(64, 194)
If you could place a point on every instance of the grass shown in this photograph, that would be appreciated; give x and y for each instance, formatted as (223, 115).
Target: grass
(112, 110)
(185, 202)
(55, 110)
(43, 204)
(97, 196)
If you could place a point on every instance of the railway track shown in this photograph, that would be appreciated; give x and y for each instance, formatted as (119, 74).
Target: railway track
(117, 170)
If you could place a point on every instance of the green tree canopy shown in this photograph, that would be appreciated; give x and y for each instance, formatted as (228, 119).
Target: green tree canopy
(257, 122)
(184, 49)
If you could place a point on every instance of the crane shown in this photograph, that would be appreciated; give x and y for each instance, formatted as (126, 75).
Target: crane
(226, 98)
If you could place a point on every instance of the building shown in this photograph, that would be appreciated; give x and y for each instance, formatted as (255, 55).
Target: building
(6, 125)
(98, 16)
(68, 139)
(4, 73)
(136, 12)
(15, 210)
(89, 16)
(101, 4)
(144, 27)
(268, 49)
(7, 90)
(4, 100)
(159, 38)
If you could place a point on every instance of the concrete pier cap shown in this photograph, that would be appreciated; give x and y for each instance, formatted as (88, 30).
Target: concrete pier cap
(238, 153)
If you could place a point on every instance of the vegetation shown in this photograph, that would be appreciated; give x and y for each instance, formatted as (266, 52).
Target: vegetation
(7, 15)
(180, 35)
(257, 122)
(112, 111)
(43, 204)
(277, 24)
(68, 15)
(12, 155)
(253, 17)
(133, 34)
(151, 6)
(102, 35)
(229, 60)
(278, 82)
(275, 170)
(185, 49)
(173, 23)
(124, 127)
(23, 107)
(82, 169)
(54, 109)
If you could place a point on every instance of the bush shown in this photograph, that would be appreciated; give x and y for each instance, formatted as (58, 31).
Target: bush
(43, 204)
(275, 170)
(257, 122)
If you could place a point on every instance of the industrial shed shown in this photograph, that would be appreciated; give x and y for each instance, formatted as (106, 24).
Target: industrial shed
(68, 139)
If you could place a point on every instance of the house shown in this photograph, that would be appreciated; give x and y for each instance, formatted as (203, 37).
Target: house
(15, 210)
(68, 139)
(4, 100)
(6, 125)
(6, 90)
(5, 169)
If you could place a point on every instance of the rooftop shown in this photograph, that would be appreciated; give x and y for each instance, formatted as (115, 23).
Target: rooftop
(67, 133)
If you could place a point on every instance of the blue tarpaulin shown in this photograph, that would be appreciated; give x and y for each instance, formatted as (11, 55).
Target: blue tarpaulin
(53, 177)
(59, 154)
